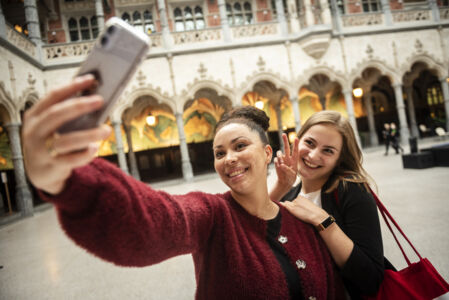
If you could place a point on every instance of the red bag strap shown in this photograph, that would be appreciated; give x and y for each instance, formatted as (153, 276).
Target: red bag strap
(387, 217)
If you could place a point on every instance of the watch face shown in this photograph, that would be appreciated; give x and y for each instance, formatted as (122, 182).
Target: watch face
(326, 223)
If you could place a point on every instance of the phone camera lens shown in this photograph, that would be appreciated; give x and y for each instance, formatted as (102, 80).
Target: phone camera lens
(104, 41)
(111, 29)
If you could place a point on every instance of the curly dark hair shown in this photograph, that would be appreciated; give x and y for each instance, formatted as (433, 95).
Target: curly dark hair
(256, 120)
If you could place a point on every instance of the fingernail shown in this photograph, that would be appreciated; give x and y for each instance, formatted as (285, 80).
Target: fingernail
(93, 147)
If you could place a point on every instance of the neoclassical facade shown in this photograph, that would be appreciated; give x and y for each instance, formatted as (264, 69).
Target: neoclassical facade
(291, 58)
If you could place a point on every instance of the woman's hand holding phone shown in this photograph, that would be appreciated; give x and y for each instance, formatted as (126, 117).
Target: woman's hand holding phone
(49, 156)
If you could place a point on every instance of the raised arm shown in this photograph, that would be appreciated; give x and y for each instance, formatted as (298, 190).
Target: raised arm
(286, 165)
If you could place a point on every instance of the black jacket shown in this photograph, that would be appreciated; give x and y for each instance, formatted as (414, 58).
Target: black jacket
(355, 212)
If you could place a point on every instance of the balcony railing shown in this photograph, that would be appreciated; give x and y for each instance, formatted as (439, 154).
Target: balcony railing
(196, 36)
(21, 41)
(411, 15)
(74, 52)
(253, 30)
(364, 19)
(60, 52)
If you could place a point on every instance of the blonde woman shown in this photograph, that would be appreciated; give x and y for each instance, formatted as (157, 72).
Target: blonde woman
(333, 195)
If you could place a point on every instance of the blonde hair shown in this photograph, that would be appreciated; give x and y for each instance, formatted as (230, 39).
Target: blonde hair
(349, 165)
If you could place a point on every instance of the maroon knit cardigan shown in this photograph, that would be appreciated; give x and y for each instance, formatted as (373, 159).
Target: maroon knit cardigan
(124, 221)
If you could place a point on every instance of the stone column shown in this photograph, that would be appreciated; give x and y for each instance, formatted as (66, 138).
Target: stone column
(295, 105)
(32, 21)
(100, 14)
(325, 12)
(281, 17)
(374, 139)
(433, 5)
(310, 20)
(119, 142)
(131, 154)
(224, 21)
(293, 13)
(187, 172)
(166, 38)
(280, 129)
(351, 115)
(337, 16)
(404, 131)
(385, 4)
(2, 24)
(23, 194)
(445, 90)
(411, 111)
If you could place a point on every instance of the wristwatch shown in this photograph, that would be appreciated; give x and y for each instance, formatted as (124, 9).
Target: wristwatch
(326, 223)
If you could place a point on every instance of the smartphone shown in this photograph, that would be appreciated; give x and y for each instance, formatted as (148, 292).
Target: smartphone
(117, 52)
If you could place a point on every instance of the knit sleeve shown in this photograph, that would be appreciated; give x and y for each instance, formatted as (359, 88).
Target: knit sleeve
(364, 268)
(124, 221)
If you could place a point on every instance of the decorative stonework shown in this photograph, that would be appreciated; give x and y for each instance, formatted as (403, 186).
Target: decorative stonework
(156, 40)
(254, 30)
(188, 37)
(444, 13)
(31, 81)
(316, 45)
(369, 51)
(202, 71)
(411, 16)
(141, 78)
(119, 3)
(418, 46)
(261, 64)
(362, 19)
(20, 41)
(74, 6)
(67, 50)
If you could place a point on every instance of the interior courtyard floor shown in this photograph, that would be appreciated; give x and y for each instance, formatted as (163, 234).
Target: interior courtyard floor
(38, 261)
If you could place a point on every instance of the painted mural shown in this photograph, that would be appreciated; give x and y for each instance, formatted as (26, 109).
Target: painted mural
(200, 119)
(288, 120)
(5, 151)
(144, 137)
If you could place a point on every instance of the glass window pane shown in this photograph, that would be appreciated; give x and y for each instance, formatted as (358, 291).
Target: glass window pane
(74, 36)
(93, 21)
(147, 15)
(374, 7)
(188, 12)
(247, 6)
(136, 17)
(85, 34)
(178, 12)
(248, 19)
(73, 23)
(200, 24)
(126, 17)
(198, 12)
(237, 7)
(190, 25)
(365, 7)
(228, 8)
(238, 20)
(84, 22)
(95, 32)
(179, 26)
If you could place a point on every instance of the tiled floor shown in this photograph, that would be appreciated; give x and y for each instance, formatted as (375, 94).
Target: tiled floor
(39, 262)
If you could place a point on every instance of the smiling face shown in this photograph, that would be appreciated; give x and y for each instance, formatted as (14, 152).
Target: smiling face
(319, 151)
(241, 158)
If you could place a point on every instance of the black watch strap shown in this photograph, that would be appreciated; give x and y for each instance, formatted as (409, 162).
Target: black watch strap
(326, 223)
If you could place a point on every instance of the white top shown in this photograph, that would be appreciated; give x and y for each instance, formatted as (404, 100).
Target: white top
(315, 197)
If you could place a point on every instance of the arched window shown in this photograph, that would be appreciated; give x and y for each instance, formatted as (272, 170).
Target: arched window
(370, 5)
(188, 19)
(274, 9)
(142, 20)
(73, 30)
(239, 13)
(83, 28)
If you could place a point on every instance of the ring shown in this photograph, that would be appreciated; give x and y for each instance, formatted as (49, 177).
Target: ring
(50, 146)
